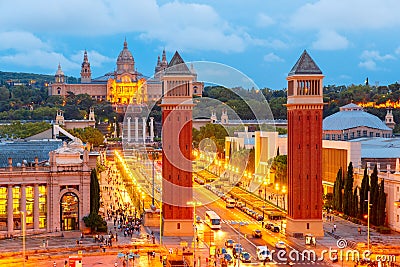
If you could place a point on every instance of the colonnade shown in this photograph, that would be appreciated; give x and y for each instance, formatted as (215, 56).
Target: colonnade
(136, 130)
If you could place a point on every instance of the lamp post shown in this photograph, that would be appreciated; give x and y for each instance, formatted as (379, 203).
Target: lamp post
(240, 246)
(23, 235)
(283, 196)
(277, 194)
(368, 214)
(194, 203)
(154, 157)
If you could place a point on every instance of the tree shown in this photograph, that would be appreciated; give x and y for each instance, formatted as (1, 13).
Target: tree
(94, 220)
(355, 209)
(337, 187)
(364, 193)
(89, 135)
(94, 192)
(348, 190)
(374, 195)
(381, 211)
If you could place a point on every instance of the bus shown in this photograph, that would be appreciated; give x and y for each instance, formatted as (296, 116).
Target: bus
(213, 220)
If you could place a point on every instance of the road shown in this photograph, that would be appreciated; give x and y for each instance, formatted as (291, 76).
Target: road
(230, 219)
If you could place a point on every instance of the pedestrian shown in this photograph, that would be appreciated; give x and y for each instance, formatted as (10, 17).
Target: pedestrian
(334, 227)
(359, 230)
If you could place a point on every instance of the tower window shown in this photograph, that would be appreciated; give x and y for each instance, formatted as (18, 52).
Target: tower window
(308, 226)
(178, 226)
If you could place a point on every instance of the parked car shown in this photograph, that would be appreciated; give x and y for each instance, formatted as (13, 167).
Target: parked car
(229, 243)
(263, 253)
(280, 245)
(245, 257)
(257, 233)
(228, 258)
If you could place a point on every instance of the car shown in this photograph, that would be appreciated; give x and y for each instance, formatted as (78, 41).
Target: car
(257, 233)
(236, 251)
(263, 253)
(280, 245)
(245, 256)
(229, 243)
(275, 229)
(269, 226)
(259, 217)
(228, 258)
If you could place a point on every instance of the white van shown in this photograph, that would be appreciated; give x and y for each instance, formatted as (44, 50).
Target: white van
(230, 203)
(263, 253)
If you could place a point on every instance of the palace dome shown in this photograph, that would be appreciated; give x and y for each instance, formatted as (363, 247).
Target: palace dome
(125, 60)
(352, 116)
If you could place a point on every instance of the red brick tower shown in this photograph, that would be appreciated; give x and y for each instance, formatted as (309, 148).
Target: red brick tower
(304, 107)
(177, 105)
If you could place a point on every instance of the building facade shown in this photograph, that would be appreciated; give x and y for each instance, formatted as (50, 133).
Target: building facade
(122, 87)
(353, 122)
(52, 195)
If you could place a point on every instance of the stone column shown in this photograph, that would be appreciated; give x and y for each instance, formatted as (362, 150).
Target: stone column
(10, 213)
(136, 130)
(129, 129)
(144, 129)
(151, 129)
(36, 207)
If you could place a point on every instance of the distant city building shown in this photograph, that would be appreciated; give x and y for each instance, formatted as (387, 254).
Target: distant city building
(353, 122)
(121, 87)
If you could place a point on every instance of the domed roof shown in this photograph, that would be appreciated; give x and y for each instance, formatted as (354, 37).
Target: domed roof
(125, 61)
(352, 116)
(125, 55)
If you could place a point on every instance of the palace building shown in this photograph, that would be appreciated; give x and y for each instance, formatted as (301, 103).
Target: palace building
(121, 87)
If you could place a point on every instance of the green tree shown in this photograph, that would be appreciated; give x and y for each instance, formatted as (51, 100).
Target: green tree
(355, 206)
(381, 212)
(89, 135)
(374, 196)
(348, 190)
(94, 220)
(337, 187)
(279, 166)
(364, 194)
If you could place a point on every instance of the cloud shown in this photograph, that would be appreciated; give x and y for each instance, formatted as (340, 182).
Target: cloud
(179, 25)
(271, 57)
(345, 15)
(264, 20)
(21, 41)
(41, 59)
(369, 59)
(330, 40)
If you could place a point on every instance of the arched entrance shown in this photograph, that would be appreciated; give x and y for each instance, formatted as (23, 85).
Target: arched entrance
(69, 212)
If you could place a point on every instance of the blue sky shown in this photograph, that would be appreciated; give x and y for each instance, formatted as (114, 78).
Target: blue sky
(349, 39)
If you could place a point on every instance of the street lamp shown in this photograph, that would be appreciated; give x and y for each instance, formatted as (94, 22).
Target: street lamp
(154, 157)
(283, 196)
(368, 211)
(194, 203)
(277, 194)
(240, 246)
(23, 235)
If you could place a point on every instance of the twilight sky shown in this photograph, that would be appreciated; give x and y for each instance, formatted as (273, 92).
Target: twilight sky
(348, 39)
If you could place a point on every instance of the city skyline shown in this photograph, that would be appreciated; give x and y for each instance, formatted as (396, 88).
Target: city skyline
(351, 40)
